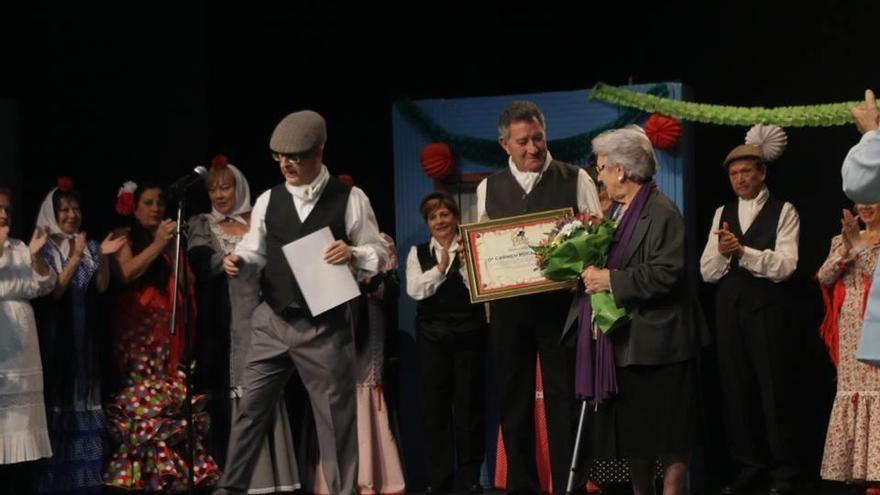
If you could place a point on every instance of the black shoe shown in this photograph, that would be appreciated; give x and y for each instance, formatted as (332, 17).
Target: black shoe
(475, 489)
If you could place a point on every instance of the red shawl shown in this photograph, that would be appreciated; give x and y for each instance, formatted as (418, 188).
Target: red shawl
(833, 297)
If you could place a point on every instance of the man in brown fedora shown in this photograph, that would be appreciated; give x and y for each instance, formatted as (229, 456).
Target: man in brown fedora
(751, 251)
(286, 337)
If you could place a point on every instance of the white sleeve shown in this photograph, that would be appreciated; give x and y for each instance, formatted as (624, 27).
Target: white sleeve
(368, 250)
(419, 284)
(587, 195)
(482, 216)
(252, 247)
(713, 265)
(861, 170)
(779, 263)
(18, 280)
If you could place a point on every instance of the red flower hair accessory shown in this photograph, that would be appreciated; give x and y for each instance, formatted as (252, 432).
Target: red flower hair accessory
(219, 161)
(125, 198)
(65, 184)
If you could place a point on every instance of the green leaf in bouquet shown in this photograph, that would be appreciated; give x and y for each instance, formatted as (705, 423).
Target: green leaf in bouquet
(606, 313)
(565, 262)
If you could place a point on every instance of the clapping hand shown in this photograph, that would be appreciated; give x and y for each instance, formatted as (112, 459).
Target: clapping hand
(38, 240)
(851, 237)
(443, 263)
(79, 246)
(111, 244)
(728, 244)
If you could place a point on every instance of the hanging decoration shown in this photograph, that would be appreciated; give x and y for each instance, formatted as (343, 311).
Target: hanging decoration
(346, 179)
(663, 131)
(770, 139)
(487, 151)
(798, 116)
(437, 160)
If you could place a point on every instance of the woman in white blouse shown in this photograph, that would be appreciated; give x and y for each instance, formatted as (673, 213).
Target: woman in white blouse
(451, 346)
(24, 275)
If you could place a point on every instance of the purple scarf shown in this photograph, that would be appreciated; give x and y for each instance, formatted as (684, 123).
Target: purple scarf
(595, 376)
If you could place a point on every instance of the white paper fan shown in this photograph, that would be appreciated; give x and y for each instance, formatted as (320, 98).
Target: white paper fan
(770, 139)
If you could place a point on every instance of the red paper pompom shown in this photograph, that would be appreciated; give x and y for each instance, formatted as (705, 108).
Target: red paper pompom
(664, 132)
(65, 184)
(437, 160)
(346, 179)
(219, 161)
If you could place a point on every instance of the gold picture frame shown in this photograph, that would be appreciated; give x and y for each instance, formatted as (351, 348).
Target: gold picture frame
(500, 263)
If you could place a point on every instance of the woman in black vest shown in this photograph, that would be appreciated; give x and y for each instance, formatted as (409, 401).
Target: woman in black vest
(451, 342)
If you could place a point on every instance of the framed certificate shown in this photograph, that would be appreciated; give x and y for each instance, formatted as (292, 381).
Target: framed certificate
(500, 261)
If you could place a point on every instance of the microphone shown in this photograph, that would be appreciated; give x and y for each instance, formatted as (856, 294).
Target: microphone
(183, 183)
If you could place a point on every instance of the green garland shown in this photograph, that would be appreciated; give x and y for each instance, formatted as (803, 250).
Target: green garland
(799, 116)
(488, 152)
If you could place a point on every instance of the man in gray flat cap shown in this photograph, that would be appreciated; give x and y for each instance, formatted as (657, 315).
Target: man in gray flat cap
(286, 335)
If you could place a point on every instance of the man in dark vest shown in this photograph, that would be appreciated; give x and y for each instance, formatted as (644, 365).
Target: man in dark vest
(525, 327)
(286, 335)
(752, 250)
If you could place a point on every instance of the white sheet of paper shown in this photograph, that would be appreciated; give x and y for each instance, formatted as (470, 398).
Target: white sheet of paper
(323, 285)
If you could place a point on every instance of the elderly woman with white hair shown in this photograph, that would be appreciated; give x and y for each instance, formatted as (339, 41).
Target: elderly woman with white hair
(654, 414)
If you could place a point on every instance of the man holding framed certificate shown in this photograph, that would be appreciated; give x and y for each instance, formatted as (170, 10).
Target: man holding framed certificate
(526, 326)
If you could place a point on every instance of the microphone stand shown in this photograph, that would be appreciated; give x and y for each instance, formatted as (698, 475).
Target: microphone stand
(180, 233)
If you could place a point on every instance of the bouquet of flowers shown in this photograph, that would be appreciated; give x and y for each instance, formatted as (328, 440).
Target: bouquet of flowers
(572, 245)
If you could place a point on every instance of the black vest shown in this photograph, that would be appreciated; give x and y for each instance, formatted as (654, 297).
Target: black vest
(739, 287)
(556, 189)
(283, 226)
(449, 309)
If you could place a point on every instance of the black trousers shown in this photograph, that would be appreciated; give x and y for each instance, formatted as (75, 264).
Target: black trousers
(452, 371)
(754, 359)
(524, 328)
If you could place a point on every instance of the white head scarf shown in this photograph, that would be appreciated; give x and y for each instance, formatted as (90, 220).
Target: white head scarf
(242, 199)
(46, 219)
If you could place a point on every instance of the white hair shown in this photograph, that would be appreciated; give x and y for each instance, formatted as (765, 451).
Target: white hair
(630, 148)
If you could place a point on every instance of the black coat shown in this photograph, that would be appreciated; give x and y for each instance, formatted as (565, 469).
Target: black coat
(654, 286)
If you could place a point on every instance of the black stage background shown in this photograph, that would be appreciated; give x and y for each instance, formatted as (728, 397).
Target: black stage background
(106, 94)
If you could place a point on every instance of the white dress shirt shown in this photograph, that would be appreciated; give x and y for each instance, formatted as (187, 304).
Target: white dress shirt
(776, 264)
(368, 250)
(423, 284)
(861, 170)
(587, 196)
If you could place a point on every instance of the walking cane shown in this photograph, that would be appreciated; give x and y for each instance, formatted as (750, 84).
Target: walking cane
(569, 486)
